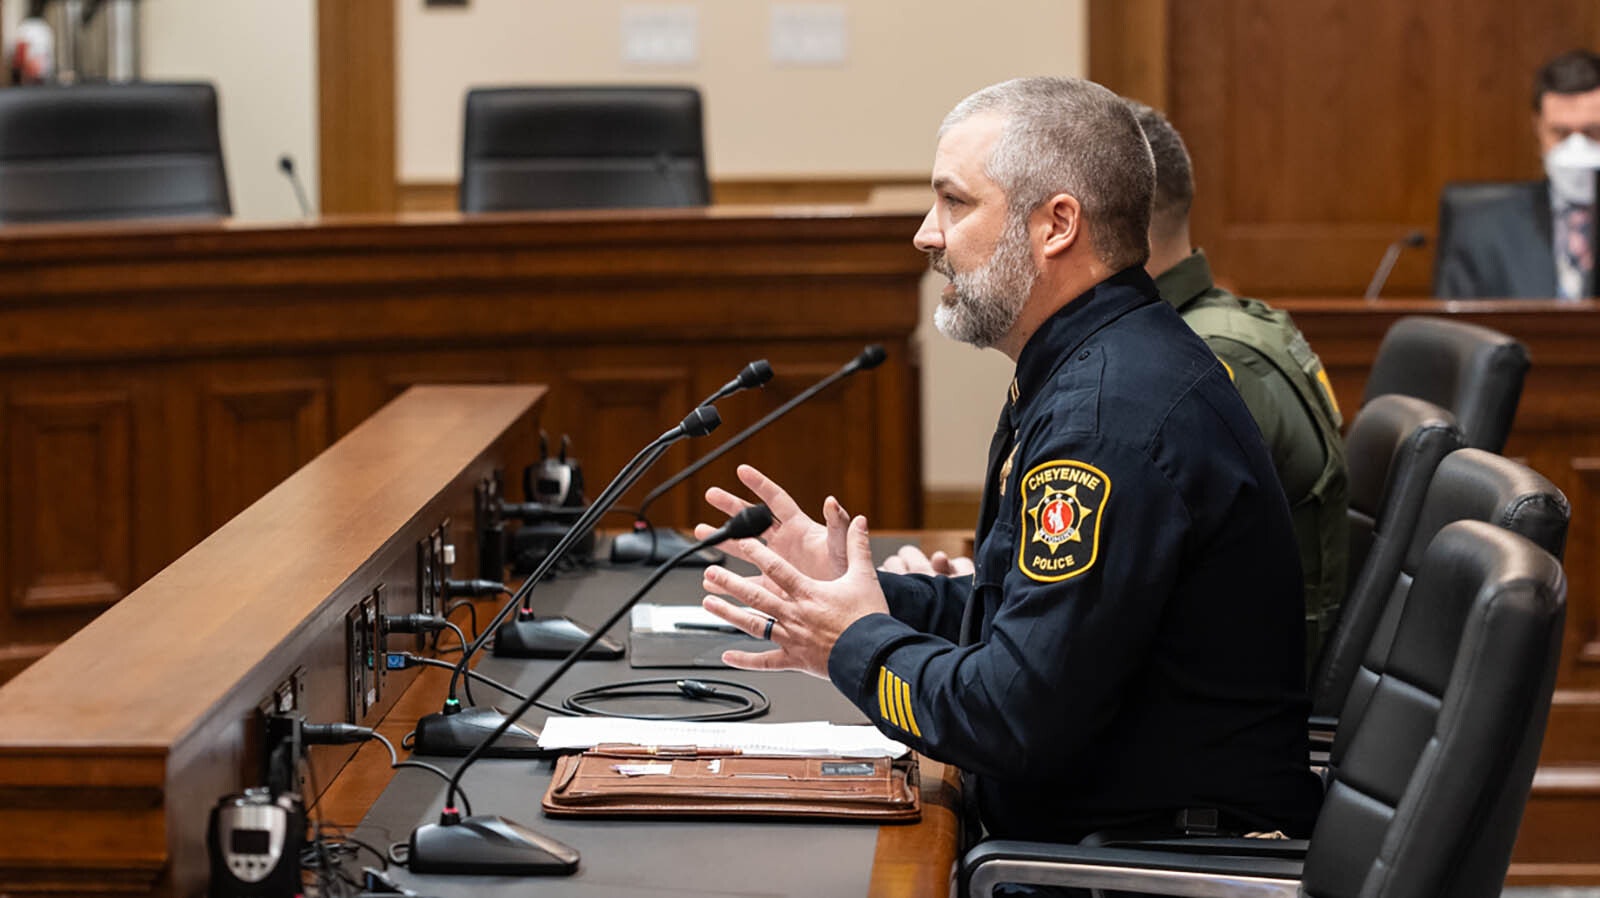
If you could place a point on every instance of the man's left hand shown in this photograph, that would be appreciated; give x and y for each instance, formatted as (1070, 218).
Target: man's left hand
(808, 615)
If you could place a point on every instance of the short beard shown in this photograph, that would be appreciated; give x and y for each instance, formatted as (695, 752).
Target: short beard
(989, 300)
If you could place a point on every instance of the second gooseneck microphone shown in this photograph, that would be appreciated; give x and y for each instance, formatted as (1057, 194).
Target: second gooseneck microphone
(652, 545)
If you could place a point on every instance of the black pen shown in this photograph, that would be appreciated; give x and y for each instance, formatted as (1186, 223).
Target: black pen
(712, 628)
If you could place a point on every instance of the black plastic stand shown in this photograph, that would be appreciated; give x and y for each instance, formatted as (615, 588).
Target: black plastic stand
(487, 845)
(655, 545)
(527, 636)
(457, 730)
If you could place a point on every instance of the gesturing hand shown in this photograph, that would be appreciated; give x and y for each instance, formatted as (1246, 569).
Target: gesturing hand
(808, 614)
(817, 550)
(910, 560)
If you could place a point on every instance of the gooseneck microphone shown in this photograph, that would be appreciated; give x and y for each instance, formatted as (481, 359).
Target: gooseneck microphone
(1390, 256)
(494, 845)
(646, 544)
(286, 165)
(457, 729)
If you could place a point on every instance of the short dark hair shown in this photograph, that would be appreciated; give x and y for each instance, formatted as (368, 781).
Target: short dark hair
(1174, 193)
(1573, 72)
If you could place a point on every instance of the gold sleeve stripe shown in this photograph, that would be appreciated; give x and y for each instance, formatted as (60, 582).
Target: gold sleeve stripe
(885, 703)
(897, 686)
(911, 718)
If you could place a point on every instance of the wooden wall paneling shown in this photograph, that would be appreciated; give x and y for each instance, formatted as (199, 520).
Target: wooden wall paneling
(1130, 48)
(1323, 130)
(259, 429)
(1583, 611)
(807, 451)
(356, 105)
(611, 405)
(366, 381)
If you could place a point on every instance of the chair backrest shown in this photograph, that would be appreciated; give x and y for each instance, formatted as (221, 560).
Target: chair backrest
(108, 151)
(1391, 449)
(1469, 485)
(1447, 726)
(1473, 372)
(583, 147)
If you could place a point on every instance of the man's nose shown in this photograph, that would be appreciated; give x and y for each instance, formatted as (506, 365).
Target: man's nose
(929, 237)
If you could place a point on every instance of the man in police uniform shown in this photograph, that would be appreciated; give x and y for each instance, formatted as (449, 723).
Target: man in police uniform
(1128, 650)
(1280, 379)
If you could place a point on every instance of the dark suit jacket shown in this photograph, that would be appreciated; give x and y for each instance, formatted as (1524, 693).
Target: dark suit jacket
(1494, 241)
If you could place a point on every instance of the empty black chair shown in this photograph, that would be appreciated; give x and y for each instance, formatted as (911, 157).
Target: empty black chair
(1473, 372)
(1469, 484)
(1393, 445)
(583, 148)
(1429, 782)
(110, 151)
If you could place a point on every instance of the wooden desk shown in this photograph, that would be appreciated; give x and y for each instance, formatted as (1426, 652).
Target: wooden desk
(158, 377)
(899, 861)
(114, 747)
(1557, 432)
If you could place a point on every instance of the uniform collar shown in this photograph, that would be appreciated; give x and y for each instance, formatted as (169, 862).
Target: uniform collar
(1186, 281)
(1052, 344)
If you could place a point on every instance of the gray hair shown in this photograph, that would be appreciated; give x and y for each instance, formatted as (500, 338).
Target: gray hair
(1174, 172)
(1068, 135)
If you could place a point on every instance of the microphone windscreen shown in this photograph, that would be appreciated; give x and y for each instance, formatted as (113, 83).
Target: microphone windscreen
(870, 358)
(701, 421)
(286, 164)
(751, 522)
(755, 374)
(1416, 239)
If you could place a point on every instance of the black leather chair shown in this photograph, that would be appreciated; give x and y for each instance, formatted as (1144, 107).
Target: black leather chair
(1391, 449)
(110, 151)
(583, 147)
(1429, 782)
(1469, 484)
(1473, 372)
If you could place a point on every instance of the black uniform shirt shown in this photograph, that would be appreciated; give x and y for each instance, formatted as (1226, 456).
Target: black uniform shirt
(1130, 651)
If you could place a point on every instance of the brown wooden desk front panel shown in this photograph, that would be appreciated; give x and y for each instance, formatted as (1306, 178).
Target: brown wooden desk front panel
(1557, 431)
(156, 378)
(115, 745)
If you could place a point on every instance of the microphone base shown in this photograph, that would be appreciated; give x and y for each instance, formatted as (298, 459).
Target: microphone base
(549, 637)
(488, 846)
(655, 546)
(455, 733)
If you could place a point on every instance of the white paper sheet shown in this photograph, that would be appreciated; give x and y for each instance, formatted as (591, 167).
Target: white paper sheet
(816, 737)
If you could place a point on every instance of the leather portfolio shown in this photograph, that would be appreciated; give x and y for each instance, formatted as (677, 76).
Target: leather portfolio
(637, 781)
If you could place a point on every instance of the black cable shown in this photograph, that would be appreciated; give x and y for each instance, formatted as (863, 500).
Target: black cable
(741, 702)
(412, 660)
(396, 763)
(472, 610)
(466, 688)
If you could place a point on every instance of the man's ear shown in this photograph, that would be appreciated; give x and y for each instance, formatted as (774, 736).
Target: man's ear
(1061, 218)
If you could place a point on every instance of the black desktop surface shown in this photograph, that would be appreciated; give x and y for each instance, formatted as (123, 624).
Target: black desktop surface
(623, 858)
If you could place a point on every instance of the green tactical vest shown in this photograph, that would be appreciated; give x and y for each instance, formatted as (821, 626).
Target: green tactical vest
(1320, 516)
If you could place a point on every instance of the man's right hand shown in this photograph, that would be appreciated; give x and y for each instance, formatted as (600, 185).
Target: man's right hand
(817, 550)
(910, 560)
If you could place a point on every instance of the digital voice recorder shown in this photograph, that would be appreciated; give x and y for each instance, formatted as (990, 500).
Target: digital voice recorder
(255, 842)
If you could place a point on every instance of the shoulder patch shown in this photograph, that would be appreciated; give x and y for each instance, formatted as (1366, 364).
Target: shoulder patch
(1063, 503)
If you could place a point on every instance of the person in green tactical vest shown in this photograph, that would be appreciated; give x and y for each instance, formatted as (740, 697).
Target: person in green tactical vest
(1280, 379)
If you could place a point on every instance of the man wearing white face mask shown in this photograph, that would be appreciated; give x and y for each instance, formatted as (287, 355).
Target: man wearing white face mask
(1535, 239)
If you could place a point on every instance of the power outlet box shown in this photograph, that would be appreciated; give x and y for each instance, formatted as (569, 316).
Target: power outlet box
(365, 643)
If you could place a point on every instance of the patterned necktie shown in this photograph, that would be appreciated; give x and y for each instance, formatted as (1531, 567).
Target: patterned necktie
(1575, 248)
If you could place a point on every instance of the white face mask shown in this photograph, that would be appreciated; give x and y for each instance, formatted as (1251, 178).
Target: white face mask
(1572, 166)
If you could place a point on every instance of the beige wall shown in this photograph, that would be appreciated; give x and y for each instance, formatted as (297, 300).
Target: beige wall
(909, 61)
(262, 57)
